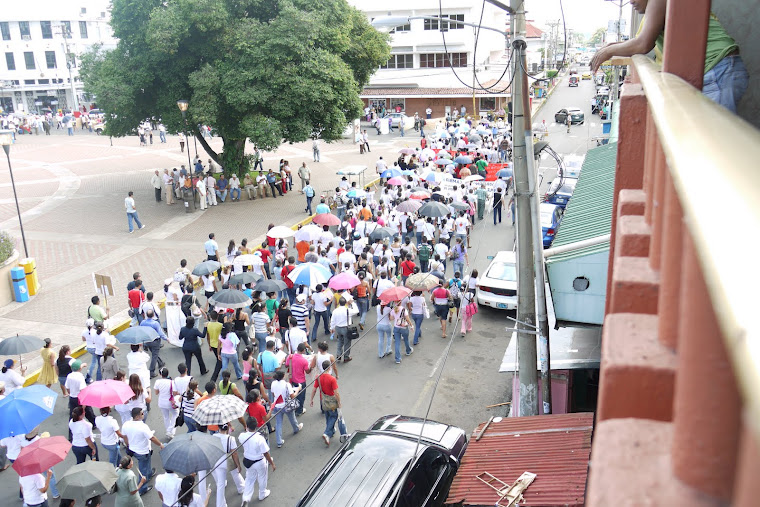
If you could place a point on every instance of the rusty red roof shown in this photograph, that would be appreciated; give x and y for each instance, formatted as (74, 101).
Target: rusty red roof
(554, 447)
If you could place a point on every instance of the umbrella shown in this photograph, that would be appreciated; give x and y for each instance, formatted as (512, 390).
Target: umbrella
(345, 280)
(474, 138)
(471, 146)
(407, 151)
(268, 286)
(310, 274)
(191, 452)
(382, 233)
(393, 294)
(420, 194)
(280, 231)
(244, 278)
(460, 206)
(308, 233)
(20, 344)
(434, 209)
(24, 409)
(442, 161)
(444, 154)
(326, 219)
(422, 281)
(396, 181)
(434, 177)
(390, 173)
(248, 260)
(474, 177)
(427, 152)
(461, 159)
(86, 480)
(105, 393)
(206, 268)
(443, 134)
(137, 335)
(41, 454)
(230, 298)
(409, 206)
(356, 193)
(219, 410)
(504, 173)
(409, 172)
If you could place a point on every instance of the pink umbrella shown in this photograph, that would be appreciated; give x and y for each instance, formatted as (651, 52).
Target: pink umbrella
(420, 195)
(40, 455)
(397, 180)
(326, 219)
(105, 393)
(345, 280)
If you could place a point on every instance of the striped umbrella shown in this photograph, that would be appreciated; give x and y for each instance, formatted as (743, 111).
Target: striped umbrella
(219, 410)
(310, 274)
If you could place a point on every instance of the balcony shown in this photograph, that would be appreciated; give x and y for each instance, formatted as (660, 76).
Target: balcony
(678, 421)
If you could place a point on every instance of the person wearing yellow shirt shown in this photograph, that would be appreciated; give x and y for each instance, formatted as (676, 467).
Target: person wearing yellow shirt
(213, 331)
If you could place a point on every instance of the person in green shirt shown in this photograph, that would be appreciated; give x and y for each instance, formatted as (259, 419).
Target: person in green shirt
(726, 77)
(97, 312)
(481, 164)
(482, 195)
(213, 331)
(272, 304)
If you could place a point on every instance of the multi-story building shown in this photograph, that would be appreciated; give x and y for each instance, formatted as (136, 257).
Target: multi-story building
(42, 46)
(432, 60)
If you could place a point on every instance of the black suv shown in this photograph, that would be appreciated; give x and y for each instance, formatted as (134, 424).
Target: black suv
(368, 468)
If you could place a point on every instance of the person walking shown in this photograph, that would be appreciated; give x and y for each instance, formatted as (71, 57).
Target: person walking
(140, 436)
(282, 391)
(229, 341)
(127, 485)
(339, 323)
(440, 299)
(256, 460)
(304, 173)
(82, 444)
(419, 308)
(315, 149)
(384, 330)
(47, 375)
(155, 182)
(482, 196)
(468, 306)
(109, 435)
(167, 486)
(330, 402)
(229, 445)
(498, 205)
(191, 345)
(298, 366)
(401, 322)
(164, 389)
(153, 346)
(129, 204)
(309, 192)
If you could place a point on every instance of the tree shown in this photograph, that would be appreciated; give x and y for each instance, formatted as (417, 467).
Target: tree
(254, 70)
(597, 37)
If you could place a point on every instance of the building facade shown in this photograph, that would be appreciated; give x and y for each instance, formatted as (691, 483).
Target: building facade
(42, 46)
(432, 60)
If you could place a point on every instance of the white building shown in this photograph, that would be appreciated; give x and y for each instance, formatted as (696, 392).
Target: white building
(420, 75)
(42, 42)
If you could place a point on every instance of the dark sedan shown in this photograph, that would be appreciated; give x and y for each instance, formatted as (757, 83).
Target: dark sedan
(576, 116)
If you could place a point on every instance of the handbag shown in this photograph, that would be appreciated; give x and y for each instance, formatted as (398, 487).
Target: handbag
(180, 420)
(329, 402)
(353, 331)
(426, 310)
(292, 404)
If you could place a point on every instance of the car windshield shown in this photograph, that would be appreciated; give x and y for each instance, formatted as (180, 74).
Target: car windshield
(504, 271)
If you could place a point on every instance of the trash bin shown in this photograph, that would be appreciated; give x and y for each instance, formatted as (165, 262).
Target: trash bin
(606, 127)
(20, 291)
(30, 271)
(187, 197)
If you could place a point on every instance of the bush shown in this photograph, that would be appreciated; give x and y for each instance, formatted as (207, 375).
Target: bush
(7, 245)
(551, 74)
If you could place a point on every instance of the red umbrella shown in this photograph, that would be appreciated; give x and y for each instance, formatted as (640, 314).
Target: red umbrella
(40, 455)
(420, 195)
(326, 219)
(394, 294)
(105, 393)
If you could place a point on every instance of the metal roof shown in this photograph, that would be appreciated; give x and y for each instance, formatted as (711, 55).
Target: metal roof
(556, 448)
(589, 211)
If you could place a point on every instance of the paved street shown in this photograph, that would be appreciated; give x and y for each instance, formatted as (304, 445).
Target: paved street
(71, 192)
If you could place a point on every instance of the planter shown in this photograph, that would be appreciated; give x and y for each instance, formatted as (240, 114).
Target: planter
(6, 288)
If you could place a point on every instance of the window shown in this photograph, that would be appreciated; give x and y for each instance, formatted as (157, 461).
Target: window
(23, 28)
(403, 28)
(29, 60)
(10, 61)
(430, 60)
(458, 59)
(83, 29)
(66, 29)
(47, 29)
(29, 82)
(5, 29)
(399, 62)
(442, 24)
(430, 24)
(43, 81)
(71, 60)
(50, 59)
(487, 103)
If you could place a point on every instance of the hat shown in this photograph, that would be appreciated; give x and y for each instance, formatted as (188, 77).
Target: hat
(2, 385)
(9, 363)
(90, 322)
(76, 365)
(301, 298)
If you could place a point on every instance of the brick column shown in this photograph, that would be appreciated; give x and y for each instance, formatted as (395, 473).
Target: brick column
(686, 39)
(660, 169)
(747, 490)
(670, 266)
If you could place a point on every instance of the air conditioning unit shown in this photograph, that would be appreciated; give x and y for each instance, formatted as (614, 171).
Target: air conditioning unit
(83, 10)
(26, 37)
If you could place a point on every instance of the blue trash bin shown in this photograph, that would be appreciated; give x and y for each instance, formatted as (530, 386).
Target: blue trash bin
(20, 290)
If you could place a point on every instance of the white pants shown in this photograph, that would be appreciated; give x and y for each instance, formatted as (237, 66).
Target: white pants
(202, 487)
(258, 472)
(211, 197)
(203, 201)
(170, 417)
(220, 476)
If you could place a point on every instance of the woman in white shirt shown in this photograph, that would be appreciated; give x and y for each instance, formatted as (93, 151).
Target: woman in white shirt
(384, 330)
(418, 314)
(81, 436)
(401, 323)
(186, 497)
(13, 380)
(164, 388)
(109, 435)
(141, 398)
(137, 362)
(123, 410)
(281, 391)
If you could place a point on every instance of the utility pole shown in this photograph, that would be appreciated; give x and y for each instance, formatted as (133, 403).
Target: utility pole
(66, 33)
(526, 291)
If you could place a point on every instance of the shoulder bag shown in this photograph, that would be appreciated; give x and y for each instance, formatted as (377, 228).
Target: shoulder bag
(180, 420)
(353, 331)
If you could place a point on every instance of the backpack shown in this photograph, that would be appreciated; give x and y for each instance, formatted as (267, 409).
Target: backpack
(343, 231)
(424, 252)
(187, 302)
(455, 287)
(409, 224)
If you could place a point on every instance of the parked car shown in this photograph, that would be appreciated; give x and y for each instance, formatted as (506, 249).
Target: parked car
(560, 191)
(586, 75)
(572, 165)
(573, 81)
(98, 125)
(573, 70)
(497, 287)
(551, 217)
(576, 116)
(367, 469)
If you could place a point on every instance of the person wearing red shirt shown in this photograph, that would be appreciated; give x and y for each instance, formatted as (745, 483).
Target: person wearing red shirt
(298, 366)
(136, 297)
(407, 268)
(266, 254)
(328, 387)
(256, 409)
(284, 275)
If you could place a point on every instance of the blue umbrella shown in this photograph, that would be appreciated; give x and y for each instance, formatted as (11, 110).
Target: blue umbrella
(461, 159)
(192, 452)
(24, 409)
(443, 134)
(357, 193)
(407, 172)
(310, 274)
(442, 161)
(137, 335)
(390, 173)
(504, 173)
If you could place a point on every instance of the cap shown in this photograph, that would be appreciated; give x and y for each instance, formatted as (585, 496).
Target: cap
(9, 363)
(76, 365)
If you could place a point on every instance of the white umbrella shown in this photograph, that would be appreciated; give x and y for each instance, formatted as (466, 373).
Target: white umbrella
(474, 177)
(248, 260)
(308, 233)
(280, 232)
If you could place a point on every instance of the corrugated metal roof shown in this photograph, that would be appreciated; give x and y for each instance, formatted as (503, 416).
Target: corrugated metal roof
(554, 447)
(589, 212)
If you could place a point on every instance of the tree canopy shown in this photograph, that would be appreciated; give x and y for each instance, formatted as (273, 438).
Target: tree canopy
(265, 70)
(597, 37)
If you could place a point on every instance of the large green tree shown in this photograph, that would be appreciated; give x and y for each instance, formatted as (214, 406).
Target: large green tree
(597, 37)
(264, 70)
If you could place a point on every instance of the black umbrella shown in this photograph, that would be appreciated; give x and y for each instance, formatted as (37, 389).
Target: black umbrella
(244, 278)
(267, 286)
(206, 268)
(20, 344)
(191, 452)
(230, 298)
(382, 233)
(433, 209)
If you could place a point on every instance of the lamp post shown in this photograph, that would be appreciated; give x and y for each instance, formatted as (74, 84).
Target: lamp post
(182, 105)
(6, 138)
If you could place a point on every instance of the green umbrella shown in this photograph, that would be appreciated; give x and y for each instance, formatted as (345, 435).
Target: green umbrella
(87, 480)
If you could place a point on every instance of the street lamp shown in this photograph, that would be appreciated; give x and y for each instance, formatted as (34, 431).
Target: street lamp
(183, 105)
(6, 139)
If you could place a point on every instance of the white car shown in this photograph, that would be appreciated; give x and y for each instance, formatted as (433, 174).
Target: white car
(497, 287)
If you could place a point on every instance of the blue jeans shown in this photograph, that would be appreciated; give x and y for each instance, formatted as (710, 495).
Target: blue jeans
(132, 217)
(162, 136)
(384, 334)
(95, 364)
(233, 358)
(291, 294)
(458, 266)
(233, 193)
(401, 128)
(398, 333)
(262, 339)
(278, 424)
(363, 304)
(417, 318)
(221, 194)
(190, 422)
(82, 453)
(496, 212)
(325, 317)
(308, 205)
(143, 464)
(71, 131)
(53, 487)
(114, 456)
(331, 417)
(341, 212)
(726, 83)
(418, 236)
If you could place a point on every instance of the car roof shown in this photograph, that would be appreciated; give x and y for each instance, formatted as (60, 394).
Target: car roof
(575, 109)
(505, 256)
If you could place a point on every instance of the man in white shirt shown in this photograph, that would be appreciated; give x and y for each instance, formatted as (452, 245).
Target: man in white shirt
(321, 299)
(129, 205)
(460, 226)
(156, 182)
(380, 165)
(382, 284)
(210, 190)
(295, 335)
(139, 436)
(262, 185)
(442, 250)
(359, 243)
(339, 326)
(202, 192)
(168, 187)
(419, 228)
(75, 382)
(235, 188)
(34, 488)
(220, 469)
(256, 459)
(168, 486)
(428, 230)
